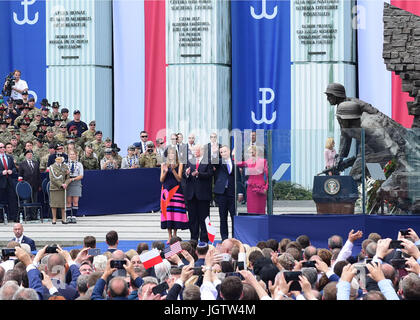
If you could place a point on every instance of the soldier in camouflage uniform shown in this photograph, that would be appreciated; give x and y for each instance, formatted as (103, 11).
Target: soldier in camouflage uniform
(17, 147)
(88, 135)
(71, 145)
(50, 137)
(57, 122)
(73, 136)
(61, 136)
(3, 131)
(98, 145)
(32, 109)
(40, 148)
(28, 146)
(43, 164)
(36, 120)
(149, 158)
(89, 159)
(65, 116)
(25, 134)
(23, 116)
(115, 154)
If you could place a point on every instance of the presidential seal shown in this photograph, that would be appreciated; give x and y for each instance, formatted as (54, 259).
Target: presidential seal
(332, 186)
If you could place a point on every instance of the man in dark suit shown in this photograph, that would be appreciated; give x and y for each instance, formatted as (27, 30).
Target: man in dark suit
(29, 172)
(198, 193)
(224, 189)
(8, 179)
(20, 238)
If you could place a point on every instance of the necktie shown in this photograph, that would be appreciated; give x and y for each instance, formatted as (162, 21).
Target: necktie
(197, 164)
(228, 166)
(72, 167)
(5, 162)
(31, 164)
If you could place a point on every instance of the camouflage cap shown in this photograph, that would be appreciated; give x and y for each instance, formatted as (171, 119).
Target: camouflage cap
(108, 139)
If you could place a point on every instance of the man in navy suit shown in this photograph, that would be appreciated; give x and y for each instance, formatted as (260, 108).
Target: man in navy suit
(198, 193)
(224, 189)
(29, 172)
(20, 238)
(8, 180)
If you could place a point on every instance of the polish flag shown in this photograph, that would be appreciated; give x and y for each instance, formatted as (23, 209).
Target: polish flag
(211, 230)
(151, 258)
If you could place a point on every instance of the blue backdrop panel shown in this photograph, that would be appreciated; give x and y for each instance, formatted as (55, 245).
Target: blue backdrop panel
(23, 36)
(261, 70)
(120, 191)
(319, 227)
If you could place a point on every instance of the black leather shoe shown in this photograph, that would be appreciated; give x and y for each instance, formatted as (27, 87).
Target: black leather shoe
(54, 222)
(64, 222)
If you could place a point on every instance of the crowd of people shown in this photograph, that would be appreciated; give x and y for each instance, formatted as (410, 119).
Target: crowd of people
(36, 139)
(275, 269)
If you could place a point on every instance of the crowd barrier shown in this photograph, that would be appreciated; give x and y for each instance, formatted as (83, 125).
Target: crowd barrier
(252, 229)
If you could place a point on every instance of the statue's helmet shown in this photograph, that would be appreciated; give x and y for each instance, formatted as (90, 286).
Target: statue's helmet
(349, 110)
(336, 89)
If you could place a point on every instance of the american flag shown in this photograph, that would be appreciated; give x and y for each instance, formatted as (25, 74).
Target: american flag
(173, 249)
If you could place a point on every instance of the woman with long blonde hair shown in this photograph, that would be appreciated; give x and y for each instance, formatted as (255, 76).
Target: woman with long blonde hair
(173, 211)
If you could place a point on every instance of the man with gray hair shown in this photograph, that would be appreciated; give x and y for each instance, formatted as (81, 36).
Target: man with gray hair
(335, 241)
(145, 290)
(26, 294)
(117, 287)
(410, 286)
(8, 290)
(81, 283)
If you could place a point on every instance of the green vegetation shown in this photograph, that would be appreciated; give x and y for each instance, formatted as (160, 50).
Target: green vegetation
(286, 190)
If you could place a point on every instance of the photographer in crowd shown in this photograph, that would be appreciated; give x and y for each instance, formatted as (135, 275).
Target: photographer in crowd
(149, 159)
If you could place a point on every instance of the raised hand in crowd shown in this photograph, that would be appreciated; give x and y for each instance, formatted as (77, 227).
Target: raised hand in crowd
(412, 266)
(382, 248)
(410, 248)
(250, 279)
(188, 257)
(348, 273)
(353, 236)
(375, 271)
(306, 288)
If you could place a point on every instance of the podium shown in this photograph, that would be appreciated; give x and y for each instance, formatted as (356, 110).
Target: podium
(335, 194)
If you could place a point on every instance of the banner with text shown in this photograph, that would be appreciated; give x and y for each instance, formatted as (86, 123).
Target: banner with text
(261, 67)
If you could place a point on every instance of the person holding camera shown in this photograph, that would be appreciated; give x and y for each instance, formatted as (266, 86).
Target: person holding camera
(19, 86)
(149, 158)
(108, 162)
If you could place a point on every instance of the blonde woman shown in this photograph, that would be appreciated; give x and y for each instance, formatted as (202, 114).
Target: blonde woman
(257, 171)
(173, 211)
(329, 154)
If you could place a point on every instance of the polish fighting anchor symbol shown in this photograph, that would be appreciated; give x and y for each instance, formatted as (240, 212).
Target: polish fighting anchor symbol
(263, 13)
(264, 103)
(25, 4)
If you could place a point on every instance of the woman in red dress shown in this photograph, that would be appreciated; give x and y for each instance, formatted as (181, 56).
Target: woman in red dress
(256, 168)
